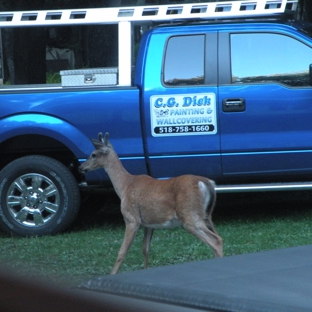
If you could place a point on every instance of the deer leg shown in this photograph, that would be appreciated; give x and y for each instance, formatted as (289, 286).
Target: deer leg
(200, 230)
(210, 225)
(148, 234)
(131, 229)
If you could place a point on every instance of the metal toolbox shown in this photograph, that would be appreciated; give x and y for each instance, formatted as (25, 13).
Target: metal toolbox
(89, 77)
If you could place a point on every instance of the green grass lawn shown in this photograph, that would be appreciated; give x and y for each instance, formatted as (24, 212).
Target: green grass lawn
(246, 222)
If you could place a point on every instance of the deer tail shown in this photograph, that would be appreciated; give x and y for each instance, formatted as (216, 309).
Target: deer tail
(213, 196)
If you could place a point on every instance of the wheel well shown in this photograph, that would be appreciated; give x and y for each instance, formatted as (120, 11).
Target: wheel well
(34, 144)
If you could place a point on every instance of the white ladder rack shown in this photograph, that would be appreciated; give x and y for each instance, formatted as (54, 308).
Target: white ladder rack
(126, 16)
(208, 10)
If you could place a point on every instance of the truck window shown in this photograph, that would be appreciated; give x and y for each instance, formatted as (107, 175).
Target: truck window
(270, 58)
(184, 60)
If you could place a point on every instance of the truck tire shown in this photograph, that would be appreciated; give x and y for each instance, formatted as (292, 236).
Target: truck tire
(38, 196)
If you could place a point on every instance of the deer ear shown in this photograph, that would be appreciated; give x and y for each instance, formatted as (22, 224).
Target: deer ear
(100, 137)
(105, 141)
(96, 143)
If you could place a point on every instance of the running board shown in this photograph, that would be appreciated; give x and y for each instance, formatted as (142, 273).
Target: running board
(269, 187)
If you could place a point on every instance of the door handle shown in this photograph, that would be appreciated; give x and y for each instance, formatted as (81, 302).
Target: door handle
(233, 105)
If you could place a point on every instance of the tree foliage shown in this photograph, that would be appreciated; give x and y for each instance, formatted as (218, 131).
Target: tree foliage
(304, 11)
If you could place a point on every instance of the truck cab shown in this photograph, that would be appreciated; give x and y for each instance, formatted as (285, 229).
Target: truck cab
(232, 101)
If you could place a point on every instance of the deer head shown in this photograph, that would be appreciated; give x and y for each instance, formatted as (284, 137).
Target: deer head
(98, 157)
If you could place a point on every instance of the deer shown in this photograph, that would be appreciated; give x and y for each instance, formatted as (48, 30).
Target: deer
(186, 200)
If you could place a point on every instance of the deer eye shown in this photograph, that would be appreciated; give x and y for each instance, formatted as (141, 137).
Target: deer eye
(93, 155)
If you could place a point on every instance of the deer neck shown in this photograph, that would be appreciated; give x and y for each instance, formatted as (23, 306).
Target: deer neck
(118, 175)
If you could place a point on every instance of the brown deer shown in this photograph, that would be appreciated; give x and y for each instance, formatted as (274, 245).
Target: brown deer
(156, 204)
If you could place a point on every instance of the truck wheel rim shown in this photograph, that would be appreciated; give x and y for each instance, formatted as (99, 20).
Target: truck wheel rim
(33, 200)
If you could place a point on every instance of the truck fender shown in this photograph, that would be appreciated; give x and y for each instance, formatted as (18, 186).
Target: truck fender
(49, 126)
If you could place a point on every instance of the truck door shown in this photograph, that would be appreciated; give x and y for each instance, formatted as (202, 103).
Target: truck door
(265, 100)
(179, 105)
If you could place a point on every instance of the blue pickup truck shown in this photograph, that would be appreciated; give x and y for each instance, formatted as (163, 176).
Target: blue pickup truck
(226, 99)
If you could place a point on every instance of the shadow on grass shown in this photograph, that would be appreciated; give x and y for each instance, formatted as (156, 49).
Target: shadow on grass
(98, 208)
(262, 205)
(103, 207)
